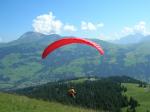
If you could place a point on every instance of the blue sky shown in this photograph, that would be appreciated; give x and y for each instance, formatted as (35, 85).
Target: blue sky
(103, 19)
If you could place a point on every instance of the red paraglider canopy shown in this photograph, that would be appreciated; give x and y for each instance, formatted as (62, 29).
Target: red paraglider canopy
(71, 40)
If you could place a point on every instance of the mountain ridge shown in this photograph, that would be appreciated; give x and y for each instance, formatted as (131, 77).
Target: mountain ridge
(132, 39)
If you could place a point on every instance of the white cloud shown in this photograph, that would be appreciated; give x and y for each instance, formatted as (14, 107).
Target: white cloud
(100, 25)
(138, 28)
(89, 26)
(127, 30)
(109, 37)
(70, 28)
(1, 39)
(47, 24)
(141, 27)
(102, 37)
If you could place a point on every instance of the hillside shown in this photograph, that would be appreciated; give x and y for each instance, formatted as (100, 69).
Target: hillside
(15, 103)
(21, 64)
(142, 95)
(93, 93)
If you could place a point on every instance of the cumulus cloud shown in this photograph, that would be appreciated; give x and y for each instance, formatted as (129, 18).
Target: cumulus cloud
(138, 28)
(141, 27)
(70, 28)
(47, 24)
(90, 26)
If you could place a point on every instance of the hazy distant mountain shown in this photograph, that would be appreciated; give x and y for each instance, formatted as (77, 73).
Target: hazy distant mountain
(30, 36)
(146, 38)
(21, 63)
(132, 39)
(35, 37)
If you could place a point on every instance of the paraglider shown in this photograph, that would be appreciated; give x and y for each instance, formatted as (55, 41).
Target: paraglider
(72, 93)
(70, 40)
(65, 41)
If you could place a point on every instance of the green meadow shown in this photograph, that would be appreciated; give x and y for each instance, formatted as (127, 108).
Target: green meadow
(142, 95)
(15, 103)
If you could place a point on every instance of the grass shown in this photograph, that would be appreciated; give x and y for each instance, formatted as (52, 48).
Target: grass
(142, 95)
(15, 103)
(81, 80)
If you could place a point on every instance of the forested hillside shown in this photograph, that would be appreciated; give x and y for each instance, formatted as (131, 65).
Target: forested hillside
(93, 93)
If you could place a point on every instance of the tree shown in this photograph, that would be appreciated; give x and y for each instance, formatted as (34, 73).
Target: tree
(133, 104)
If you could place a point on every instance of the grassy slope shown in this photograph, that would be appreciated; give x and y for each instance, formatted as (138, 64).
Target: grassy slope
(142, 95)
(14, 103)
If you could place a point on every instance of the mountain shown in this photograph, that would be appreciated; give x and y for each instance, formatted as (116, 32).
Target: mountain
(30, 37)
(21, 64)
(132, 39)
(146, 38)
